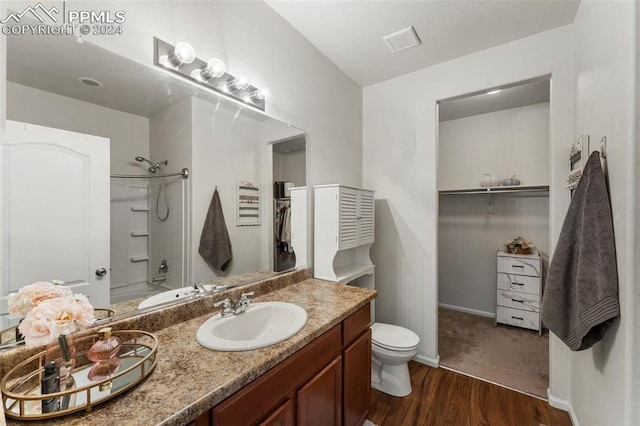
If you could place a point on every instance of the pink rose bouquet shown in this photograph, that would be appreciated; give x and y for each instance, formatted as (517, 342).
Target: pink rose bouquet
(50, 311)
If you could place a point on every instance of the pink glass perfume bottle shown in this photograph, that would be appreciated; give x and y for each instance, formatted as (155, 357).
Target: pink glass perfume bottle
(106, 347)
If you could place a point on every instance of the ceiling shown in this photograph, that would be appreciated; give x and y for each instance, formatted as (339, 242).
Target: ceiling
(349, 32)
(525, 93)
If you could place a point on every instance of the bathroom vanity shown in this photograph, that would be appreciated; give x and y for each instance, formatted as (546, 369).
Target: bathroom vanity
(321, 375)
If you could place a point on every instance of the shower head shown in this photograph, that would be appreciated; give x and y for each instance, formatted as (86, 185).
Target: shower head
(154, 167)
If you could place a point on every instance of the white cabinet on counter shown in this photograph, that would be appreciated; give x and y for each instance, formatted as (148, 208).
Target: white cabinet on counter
(344, 222)
(519, 290)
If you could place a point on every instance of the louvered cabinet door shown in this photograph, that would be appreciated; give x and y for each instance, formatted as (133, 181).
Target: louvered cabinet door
(366, 224)
(348, 227)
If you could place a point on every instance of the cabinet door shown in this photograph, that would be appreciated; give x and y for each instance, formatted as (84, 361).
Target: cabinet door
(283, 416)
(357, 380)
(348, 214)
(366, 225)
(320, 400)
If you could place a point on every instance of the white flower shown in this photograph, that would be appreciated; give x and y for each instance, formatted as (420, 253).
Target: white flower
(50, 310)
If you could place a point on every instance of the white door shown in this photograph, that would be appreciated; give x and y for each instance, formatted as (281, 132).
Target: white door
(54, 199)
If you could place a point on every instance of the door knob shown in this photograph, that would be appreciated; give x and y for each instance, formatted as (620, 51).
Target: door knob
(101, 272)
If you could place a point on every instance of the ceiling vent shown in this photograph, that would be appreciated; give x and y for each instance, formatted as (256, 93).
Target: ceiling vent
(402, 40)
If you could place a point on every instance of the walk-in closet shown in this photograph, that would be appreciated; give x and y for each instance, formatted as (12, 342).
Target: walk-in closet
(493, 234)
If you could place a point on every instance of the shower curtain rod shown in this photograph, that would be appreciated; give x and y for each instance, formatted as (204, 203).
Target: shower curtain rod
(184, 173)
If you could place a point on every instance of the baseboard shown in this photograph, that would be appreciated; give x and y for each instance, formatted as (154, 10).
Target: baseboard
(467, 310)
(563, 404)
(431, 362)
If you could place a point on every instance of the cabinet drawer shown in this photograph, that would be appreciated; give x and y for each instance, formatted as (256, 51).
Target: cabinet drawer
(519, 283)
(356, 324)
(517, 317)
(524, 301)
(519, 265)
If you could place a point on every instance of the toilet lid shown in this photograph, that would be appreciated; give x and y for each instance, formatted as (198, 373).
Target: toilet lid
(393, 337)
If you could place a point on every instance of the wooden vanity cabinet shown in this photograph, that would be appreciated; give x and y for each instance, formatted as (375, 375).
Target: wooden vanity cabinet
(356, 363)
(325, 383)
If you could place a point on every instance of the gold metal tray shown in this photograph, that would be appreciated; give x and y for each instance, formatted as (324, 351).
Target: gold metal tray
(20, 387)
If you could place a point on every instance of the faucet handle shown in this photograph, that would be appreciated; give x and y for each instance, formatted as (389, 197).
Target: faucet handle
(226, 307)
(198, 288)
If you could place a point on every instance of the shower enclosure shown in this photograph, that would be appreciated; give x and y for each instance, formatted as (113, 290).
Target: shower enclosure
(149, 215)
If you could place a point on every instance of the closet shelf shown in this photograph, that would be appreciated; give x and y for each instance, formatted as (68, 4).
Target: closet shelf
(496, 190)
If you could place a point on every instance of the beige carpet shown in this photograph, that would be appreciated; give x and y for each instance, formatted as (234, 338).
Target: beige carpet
(509, 356)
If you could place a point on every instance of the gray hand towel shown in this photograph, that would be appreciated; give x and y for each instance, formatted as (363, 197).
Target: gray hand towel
(215, 245)
(581, 294)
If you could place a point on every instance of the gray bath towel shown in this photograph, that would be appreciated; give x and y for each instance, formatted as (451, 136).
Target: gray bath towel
(581, 295)
(215, 245)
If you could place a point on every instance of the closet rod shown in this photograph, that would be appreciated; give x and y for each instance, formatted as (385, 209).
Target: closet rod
(184, 173)
(495, 191)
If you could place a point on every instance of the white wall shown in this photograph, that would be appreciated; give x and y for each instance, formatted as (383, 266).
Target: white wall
(504, 143)
(128, 133)
(290, 167)
(602, 387)
(400, 162)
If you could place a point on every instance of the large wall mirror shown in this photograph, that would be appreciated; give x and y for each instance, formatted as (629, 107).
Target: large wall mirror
(83, 124)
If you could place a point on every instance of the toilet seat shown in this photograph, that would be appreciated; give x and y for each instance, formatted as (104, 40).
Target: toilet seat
(393, 337)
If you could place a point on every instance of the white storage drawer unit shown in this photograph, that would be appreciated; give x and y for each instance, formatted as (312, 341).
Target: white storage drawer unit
(519, 290)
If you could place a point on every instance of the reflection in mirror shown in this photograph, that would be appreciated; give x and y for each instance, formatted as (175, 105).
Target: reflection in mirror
(289, 193)
(95, 193)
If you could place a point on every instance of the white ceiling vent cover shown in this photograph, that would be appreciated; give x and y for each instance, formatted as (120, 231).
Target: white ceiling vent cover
(402, 40)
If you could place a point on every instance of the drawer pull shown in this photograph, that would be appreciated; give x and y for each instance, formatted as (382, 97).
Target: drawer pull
(517, 283)
(516, 300)
(518, 318)
(517, 266)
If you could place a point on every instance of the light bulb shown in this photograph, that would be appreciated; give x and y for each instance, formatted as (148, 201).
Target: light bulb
(240, 83)
(215, 68)
(261, 94)
(183, 53)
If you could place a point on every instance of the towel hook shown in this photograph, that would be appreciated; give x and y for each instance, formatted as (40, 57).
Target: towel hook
(603, 147)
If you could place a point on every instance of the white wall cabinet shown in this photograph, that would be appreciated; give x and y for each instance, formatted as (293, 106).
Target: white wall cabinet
(519, 290)
(344, 222)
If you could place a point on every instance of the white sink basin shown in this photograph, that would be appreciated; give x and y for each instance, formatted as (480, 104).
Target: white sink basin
(169, 296)
(263, 324)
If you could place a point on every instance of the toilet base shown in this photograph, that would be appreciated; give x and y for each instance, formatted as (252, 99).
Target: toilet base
(391, 379)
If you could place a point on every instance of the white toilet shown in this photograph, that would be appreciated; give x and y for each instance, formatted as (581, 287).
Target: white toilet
(392, 348)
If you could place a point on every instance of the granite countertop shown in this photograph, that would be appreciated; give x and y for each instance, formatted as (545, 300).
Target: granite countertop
(189, 379)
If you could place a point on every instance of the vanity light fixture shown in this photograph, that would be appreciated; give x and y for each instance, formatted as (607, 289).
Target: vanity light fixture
(182, 53)
(182, 61)
(493, 92)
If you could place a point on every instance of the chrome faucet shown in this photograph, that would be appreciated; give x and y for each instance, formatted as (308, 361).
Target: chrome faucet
(198, 288)
(227, 311)
(242, 304)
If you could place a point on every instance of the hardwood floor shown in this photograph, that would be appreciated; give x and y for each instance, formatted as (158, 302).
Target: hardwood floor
(443, 397)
